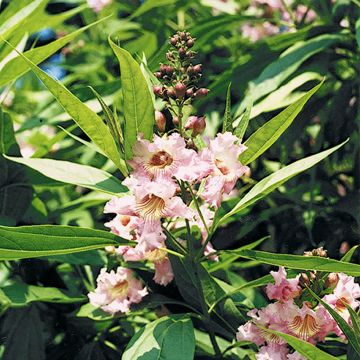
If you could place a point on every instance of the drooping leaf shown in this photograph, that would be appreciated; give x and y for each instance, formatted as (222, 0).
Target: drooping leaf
(76, 174)
(138, 109)
(301, 262)
(45, 240)
(170, 337)
(267, 135)
(19, 294)
(273, 181)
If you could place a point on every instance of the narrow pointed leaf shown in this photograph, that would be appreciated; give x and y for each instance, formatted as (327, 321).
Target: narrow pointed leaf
(300, 262)
(244, 122)
(138, 109)
(265, 136)
(76, 174)
(25, 242)
(227, 125)
(87, 120)
(273, 181)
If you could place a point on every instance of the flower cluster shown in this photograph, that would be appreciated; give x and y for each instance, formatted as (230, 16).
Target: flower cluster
(295, 313)
(172, 181)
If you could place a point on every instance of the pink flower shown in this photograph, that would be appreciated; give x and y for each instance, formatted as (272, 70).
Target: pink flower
(222, 154)
(258, 31)
(125, 226)
(295, 356)
(346, 292)
(116, 291)
(304, 322)
(250, 332)
(272, 352)
(283, 289)
(163, 271)
(98, 5)
(167, 157)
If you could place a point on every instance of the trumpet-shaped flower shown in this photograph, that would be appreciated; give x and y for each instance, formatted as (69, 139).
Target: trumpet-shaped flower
(116, 291)
(284, 289)
(167, 157)
(223, 153)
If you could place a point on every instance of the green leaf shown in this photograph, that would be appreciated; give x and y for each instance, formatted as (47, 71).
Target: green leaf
(76, 174)
(87, 120)
(93, 313)
(343, 325)
(138, 109)
(18, 66)
(273, 181)
(170, 337)
(289, 61)
(243, 123)
(17, 19)
(301, 262)
(19, 294)
(149, 5)
(306, 349)
(357, 34)
(347, 257)
(265, 136)
(45, 240)
(227, 125)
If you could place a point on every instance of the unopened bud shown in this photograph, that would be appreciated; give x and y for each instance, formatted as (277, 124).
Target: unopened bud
(189, 93)
(190, 54)
(183, 35)
(180, 90)
(160, 121)
(158, 90)
(304, 280)
(171, 93)
(163, 68)
(158, 74)
(182, 53)
(169, 56)
(176, 120)
(190, 43)
(197, 68)
(201, 92)
(316, 252)
(197, 124)
(174, 40)
(169, 70)
(332, 280)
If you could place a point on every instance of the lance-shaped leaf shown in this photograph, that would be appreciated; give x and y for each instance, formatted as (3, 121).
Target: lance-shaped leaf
(18, 66)
(300, 262)
(138, 106)
(273, 181)
(265, 136)
(87, 120)
(227, 125)
(45, 240)
(76, 174)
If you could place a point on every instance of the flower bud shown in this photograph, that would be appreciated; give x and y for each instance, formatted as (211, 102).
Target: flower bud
(174, 40)
(190, 54)
(158, 90)
(160, 121)
(190, 43)
(201, 93)
(304, 280)
(163, 68)
(158, 74)
(182, 53)
(197, 124)
(175, 120)
(332, 280)
(316, 252)
(189, 93)
(169, 56)
(169, 70)
(197, 69)
(183, 35)
(171, 93)
(180, 90)
(190, 70)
